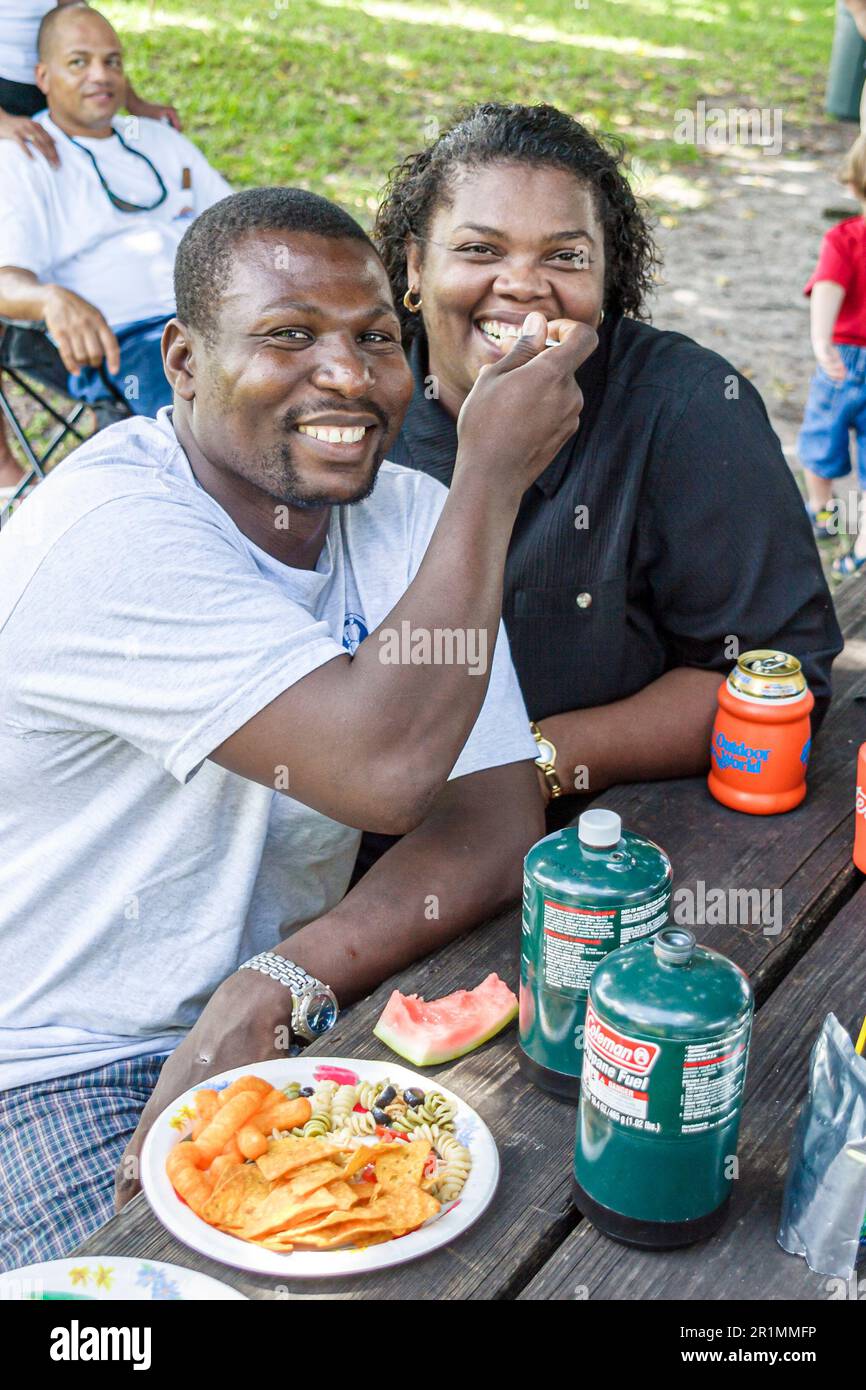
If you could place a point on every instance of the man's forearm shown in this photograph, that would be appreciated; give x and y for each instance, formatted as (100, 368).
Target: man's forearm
(457, 590)
(460, 867)
(22, 295)
(661, 731)
(406, 709)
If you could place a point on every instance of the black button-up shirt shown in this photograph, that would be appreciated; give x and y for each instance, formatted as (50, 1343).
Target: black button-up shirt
(667, 529)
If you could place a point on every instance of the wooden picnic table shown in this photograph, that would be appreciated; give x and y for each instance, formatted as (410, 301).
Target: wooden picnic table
(532, 1243)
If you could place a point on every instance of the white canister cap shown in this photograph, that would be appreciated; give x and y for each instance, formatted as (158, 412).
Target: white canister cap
(600, 829)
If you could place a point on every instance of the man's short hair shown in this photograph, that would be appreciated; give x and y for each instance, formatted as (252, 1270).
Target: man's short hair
(203, 263)
(49, 23)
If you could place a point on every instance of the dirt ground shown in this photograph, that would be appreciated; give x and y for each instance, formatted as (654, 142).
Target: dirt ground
(735, 266)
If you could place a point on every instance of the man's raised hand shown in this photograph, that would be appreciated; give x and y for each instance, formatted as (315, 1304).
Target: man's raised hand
(524, 407)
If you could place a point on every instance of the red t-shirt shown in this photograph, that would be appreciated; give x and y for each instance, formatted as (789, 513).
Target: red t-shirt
(843, 260)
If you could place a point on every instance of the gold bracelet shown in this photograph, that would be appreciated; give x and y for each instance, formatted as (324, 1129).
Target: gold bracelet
(546, 761)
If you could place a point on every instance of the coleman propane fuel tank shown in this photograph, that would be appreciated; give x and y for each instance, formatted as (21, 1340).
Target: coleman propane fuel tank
(587, 889)
(666, 1047)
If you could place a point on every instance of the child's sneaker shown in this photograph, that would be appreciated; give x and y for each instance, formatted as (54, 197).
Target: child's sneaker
(824, 521)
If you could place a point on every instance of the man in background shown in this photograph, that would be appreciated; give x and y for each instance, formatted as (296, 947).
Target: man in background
(88, 246)
(20, 99)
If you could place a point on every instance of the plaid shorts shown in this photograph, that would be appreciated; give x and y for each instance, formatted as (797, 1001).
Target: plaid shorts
(60, 1144)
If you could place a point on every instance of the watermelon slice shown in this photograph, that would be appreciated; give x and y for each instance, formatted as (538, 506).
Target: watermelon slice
(437, 1031)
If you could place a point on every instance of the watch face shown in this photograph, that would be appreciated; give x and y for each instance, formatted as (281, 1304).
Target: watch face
(545, 752)
(320, 1014)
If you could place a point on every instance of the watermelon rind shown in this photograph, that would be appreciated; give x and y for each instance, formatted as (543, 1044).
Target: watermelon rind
(404, 1049)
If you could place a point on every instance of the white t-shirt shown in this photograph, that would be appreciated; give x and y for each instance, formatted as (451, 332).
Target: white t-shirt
(19, 26)
(60, 224)
(139, 629)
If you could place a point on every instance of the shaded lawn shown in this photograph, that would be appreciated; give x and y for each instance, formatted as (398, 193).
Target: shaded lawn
(329, 94)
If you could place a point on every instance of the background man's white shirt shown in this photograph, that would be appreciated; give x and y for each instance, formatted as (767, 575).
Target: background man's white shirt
(60, 224)
(139, 629)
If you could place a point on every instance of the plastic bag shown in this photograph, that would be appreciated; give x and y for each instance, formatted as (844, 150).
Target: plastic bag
(824, 1206)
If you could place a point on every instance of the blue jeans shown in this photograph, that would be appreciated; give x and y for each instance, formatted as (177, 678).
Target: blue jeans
(833, 409)
(141, 380)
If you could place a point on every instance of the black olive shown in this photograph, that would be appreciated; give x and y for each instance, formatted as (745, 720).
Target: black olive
(413, 1097)
(307, 1090)
(380, 1117)
(385, 1097)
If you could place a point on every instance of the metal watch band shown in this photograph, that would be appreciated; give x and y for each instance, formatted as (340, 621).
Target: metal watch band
(285, 971)
(306, 992)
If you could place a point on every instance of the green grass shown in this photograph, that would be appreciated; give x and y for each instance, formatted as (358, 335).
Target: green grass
(329, 94)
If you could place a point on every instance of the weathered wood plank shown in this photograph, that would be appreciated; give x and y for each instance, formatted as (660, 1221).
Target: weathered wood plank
(743, 1260)
(804, 855)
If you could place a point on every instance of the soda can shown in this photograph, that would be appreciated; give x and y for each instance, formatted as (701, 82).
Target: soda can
(761, 738)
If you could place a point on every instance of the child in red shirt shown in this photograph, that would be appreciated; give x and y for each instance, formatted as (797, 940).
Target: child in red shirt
(837, 394)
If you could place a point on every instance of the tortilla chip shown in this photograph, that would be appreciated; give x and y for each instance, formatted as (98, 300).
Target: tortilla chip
(402, 1163)
(285, 1155)
(302, 1181)
(238, 1191)
(405, 1207)
(364, 1154)
(346, 1234)
(376, 1238)
(278, 1210)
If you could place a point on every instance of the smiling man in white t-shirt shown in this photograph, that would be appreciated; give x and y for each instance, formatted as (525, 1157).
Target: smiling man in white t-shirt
(89, 246)
(221, 652)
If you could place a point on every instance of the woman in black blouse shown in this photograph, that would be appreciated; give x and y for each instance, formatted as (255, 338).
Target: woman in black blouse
(668, 534)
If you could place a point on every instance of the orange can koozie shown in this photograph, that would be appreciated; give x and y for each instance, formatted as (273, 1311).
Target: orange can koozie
(860, 812)
(760, 745)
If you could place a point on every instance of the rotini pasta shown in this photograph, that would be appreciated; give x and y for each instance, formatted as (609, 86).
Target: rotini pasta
(335, 1116)
(342, 1105)
(367, 1091)
(357, 1122)
(317, 1125)
(454, 1167)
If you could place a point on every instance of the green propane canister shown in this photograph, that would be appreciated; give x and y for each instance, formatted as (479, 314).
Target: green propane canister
(667, 1042)
(586, 890)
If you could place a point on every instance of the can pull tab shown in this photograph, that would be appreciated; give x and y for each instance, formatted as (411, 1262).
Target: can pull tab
(674, 945)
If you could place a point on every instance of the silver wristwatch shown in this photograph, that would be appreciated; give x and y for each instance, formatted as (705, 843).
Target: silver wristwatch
(314, 1005)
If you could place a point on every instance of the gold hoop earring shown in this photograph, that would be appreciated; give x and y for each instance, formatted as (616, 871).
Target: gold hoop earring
(600, 319)
(407, 301)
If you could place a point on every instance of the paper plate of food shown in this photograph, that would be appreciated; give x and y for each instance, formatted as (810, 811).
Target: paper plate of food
(316, 1167)
(111, 1279)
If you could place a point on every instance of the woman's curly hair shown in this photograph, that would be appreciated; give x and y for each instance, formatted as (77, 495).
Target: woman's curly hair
(539, 135)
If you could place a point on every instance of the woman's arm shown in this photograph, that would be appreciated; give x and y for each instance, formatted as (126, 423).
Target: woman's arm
(727, 563)
(661, 731)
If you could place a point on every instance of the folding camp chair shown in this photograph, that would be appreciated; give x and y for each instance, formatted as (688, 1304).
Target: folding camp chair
(30, 360)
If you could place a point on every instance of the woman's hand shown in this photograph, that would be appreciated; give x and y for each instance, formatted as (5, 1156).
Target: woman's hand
(26, 133)
(524, 407)
(246, 1021)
